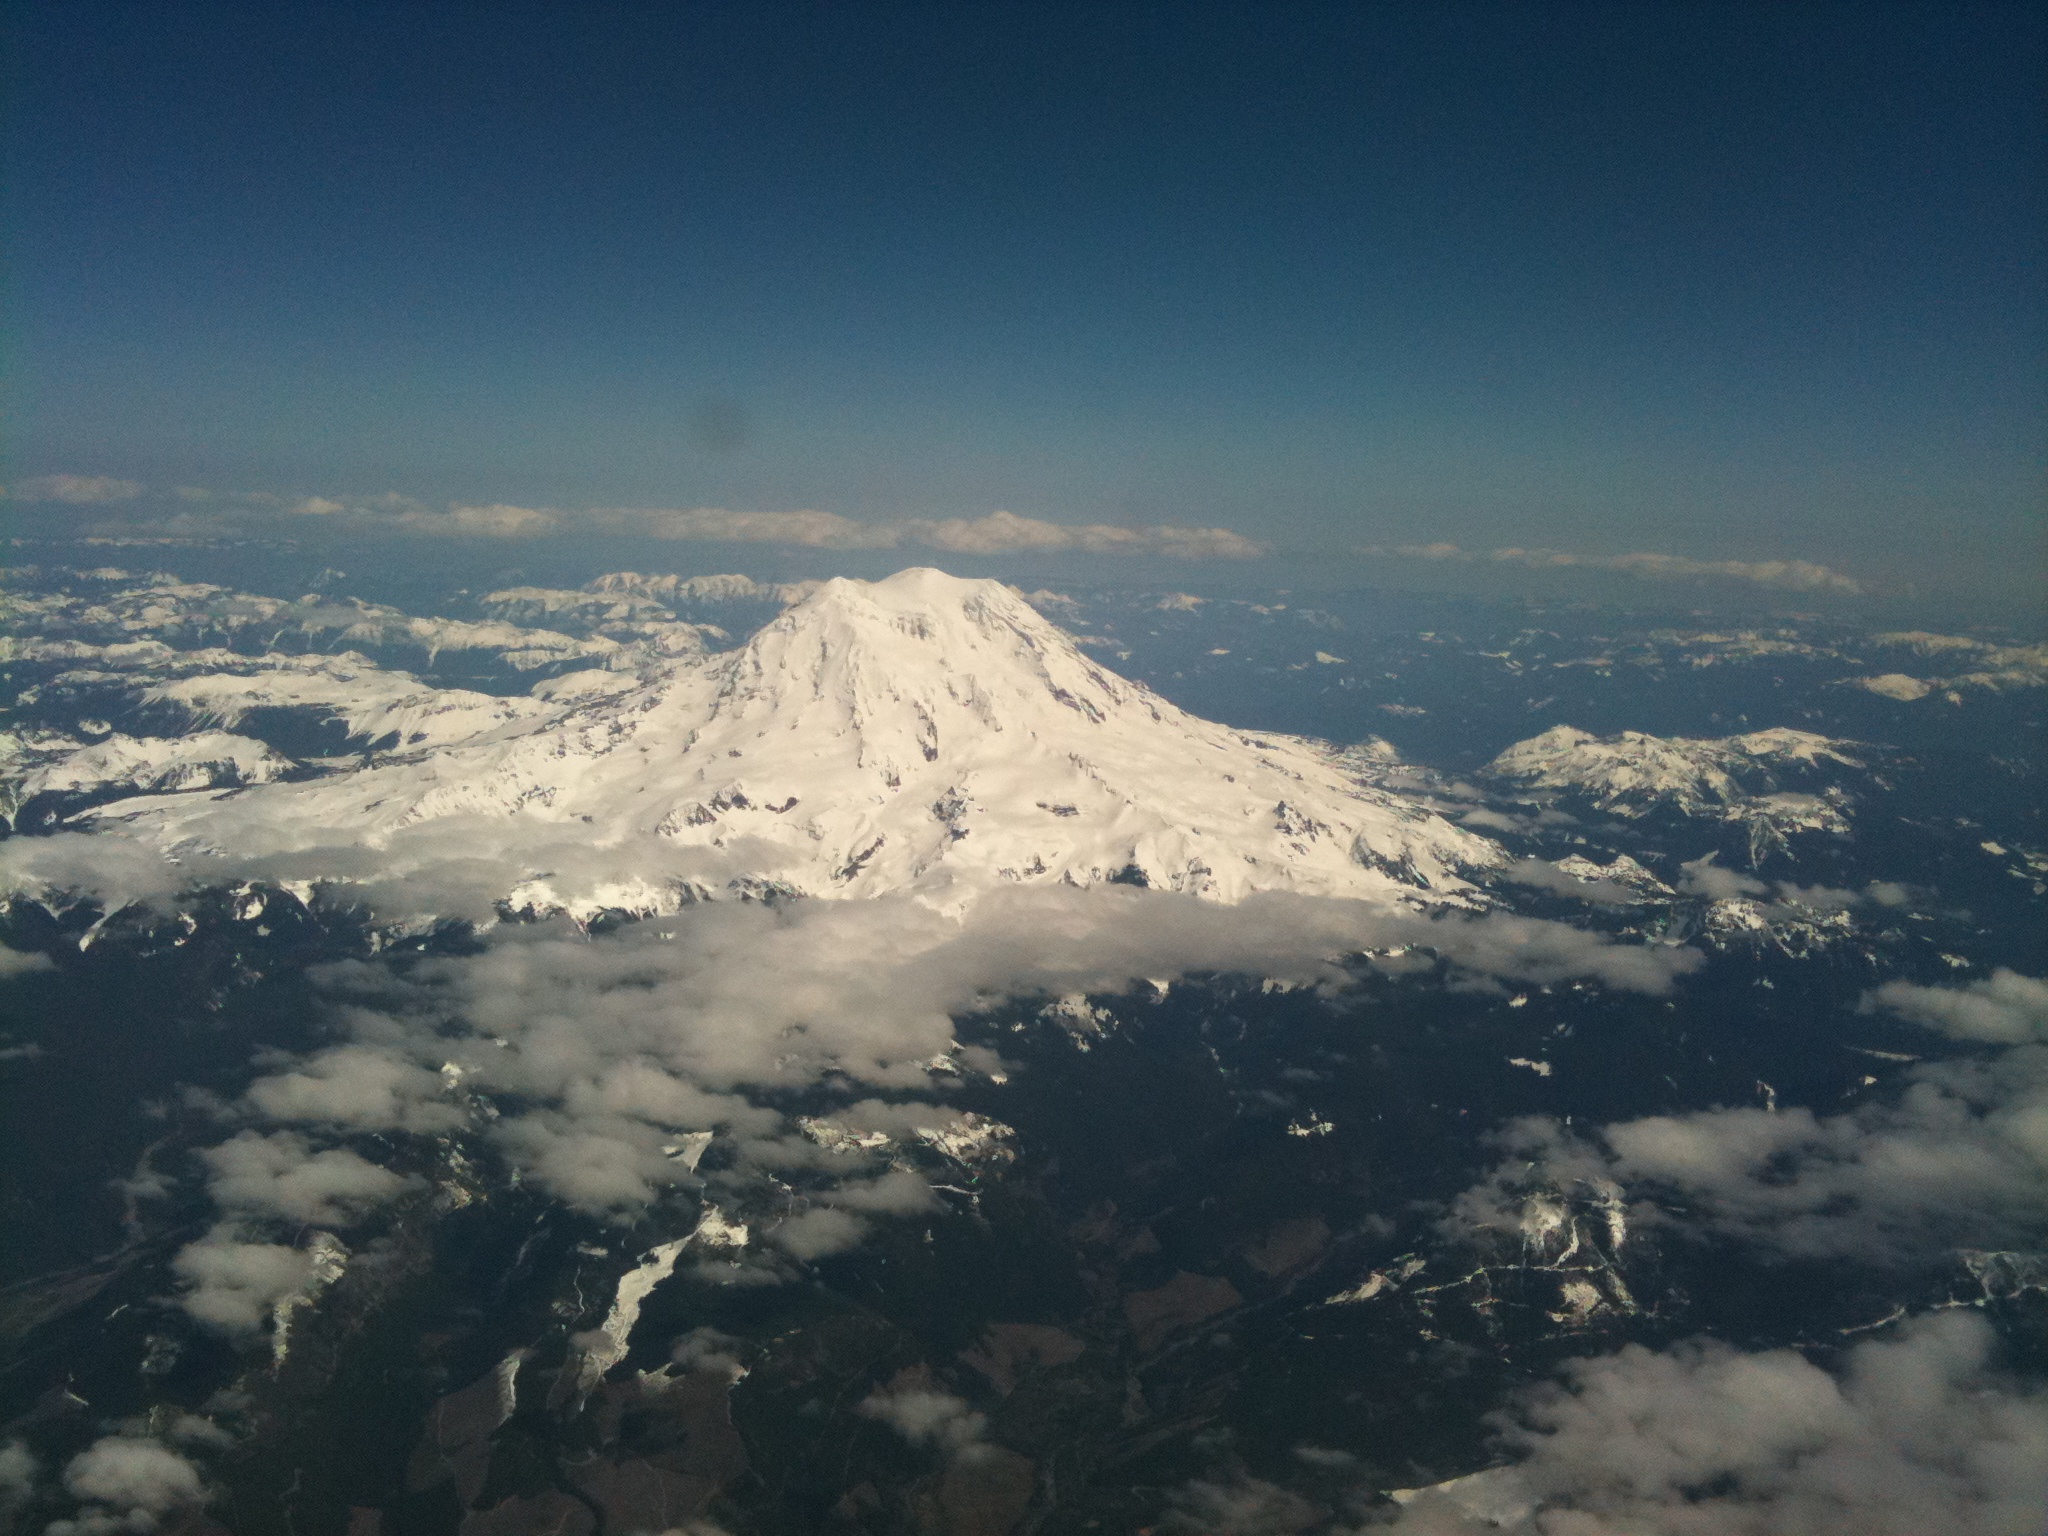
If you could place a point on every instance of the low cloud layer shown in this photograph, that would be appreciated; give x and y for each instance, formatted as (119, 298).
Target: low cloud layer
(614, 1046)
(993, 534)
(196, 511)
(281, 1176)
(925, 1417)
(1786, 575)
(2004, 1009)
(233, 1285)
(1959, 1158)
(75, 490)
(1913, 1434)
(127, 1483)
(599, 1069)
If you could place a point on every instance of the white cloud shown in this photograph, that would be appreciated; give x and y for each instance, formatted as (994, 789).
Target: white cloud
(1787, 575)
(499, 520)
(1914, 1434)
(805, 530)
(706, 1349)
(926, 1417)
(233, 1285)
(1704, 877)
(1244, 1506)
(814, 1233)
(18, 1471)
(280, 1176)
(897, 1193)
(18, 962)
(399, 513)
(2007, 1009)
(1791, 575)
(1959, 1158)
(992, 533)
(79, 864)
(601, 1052)
(1540, 875)
(356, 1087)
(1004, 532)
(127, 1483)
(77, 490)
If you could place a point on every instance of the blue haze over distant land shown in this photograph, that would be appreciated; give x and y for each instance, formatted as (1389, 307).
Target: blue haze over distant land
(1724, 283)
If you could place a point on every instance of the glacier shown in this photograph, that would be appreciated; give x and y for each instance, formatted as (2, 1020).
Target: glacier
(924, 734)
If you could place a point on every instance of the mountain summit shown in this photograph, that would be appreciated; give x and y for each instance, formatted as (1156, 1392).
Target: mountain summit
(922, 733)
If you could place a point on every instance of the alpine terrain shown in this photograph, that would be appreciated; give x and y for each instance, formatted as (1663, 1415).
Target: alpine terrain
(922, 733)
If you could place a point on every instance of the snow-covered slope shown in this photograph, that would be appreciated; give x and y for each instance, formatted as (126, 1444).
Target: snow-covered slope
(1632, 772)
(1746, 779)
(921, 733)
(371, 702)
(51, 763)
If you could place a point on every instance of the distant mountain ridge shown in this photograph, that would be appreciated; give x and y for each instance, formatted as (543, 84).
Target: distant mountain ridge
(1775, 783)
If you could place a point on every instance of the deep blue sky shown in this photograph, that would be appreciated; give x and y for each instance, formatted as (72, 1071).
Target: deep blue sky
(1731, 282)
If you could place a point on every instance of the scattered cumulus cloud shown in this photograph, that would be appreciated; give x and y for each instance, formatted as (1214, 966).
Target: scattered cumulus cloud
(76, 490)
(2006, 1009)
(993, 534)
(1705, 877)
(804, 530)
(925, 1417)
(1003, 532)
(602, 1051)
(20, 962)
(815, 1233)
(1243, 1506)
(201, 511)
(356, 1087)
(1786, 575)
(499, 520)
(280, 1176)
(1914, 1433)
(1958, 1158)
(584, 1063)
(127, 1483)
(18, 1471)
(233, 1285)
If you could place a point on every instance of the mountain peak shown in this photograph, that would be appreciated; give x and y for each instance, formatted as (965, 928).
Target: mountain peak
(924, 733)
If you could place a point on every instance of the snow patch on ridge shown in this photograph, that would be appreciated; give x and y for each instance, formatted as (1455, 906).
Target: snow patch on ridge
(1728, 778)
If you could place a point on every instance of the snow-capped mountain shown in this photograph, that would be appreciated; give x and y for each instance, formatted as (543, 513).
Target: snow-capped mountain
(1985, 666)
(1745, 779)
(922, 733)
(51, 763)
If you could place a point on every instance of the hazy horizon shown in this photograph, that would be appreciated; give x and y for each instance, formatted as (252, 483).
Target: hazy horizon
(1494, 298)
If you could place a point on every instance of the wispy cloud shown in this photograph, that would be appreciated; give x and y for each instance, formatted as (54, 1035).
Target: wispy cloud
(1914, 1432)
(197, 511)
(1954, 1160)
(1005, 531)
(1786, 575)
(79, 490)
(586, 1064)
(991, 534)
